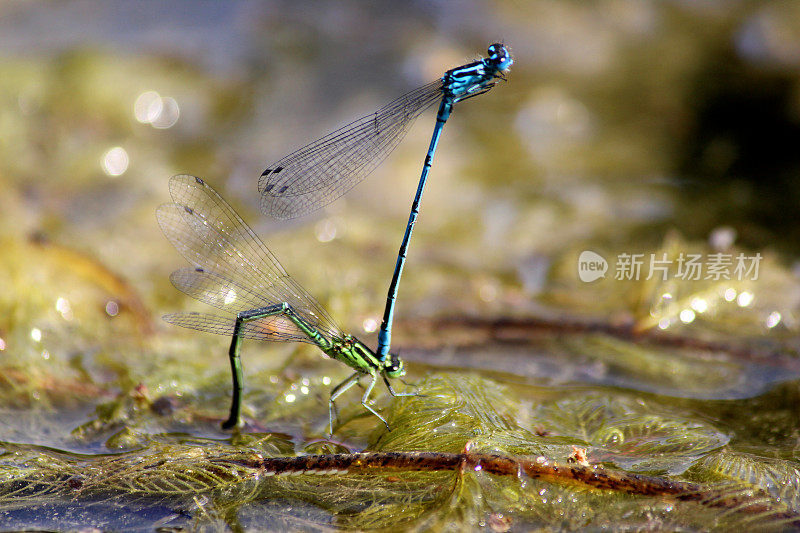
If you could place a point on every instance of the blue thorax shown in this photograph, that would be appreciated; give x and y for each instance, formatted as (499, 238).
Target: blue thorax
(473, 78)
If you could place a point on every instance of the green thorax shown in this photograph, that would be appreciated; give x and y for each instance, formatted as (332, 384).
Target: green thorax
(354, 353)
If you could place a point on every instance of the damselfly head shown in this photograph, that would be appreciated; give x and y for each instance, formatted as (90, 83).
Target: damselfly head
(393, 366)
(499, 57)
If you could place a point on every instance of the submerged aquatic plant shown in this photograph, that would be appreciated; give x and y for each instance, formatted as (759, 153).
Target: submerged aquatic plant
(456, 458)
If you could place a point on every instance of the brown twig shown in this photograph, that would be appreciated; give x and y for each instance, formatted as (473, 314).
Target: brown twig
(596, 477)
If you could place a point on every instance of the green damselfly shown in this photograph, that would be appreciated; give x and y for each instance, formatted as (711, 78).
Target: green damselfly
(235, 272)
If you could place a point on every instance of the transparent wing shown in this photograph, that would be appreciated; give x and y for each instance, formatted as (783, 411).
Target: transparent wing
(216, 290)
(271, 328)
(320, 172)
(235, 266)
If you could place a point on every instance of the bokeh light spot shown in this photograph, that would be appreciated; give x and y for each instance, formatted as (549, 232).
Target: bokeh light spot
(369, 325)
(147, 107)
(115, 161)
(699, 305)
(745, 298)
(168, 115)
(230, 297)
(112, 308)
(325, 230)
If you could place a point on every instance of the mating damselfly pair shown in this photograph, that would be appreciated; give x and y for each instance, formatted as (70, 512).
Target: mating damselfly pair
(234, 271)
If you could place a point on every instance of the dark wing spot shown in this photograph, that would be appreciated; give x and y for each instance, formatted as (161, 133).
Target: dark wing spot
(199, 180)
(267, 171)
(283, 189)
(269, 187)
(277, 169)
(198, 269)
(188, 209)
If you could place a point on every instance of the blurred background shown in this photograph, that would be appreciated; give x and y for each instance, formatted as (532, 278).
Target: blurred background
(625, 127)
